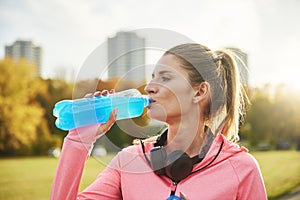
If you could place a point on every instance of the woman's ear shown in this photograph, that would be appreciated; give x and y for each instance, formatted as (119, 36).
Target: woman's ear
(202, 92)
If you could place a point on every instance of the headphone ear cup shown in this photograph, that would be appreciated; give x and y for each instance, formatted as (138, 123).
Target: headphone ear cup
(158, 157)
(178, 165)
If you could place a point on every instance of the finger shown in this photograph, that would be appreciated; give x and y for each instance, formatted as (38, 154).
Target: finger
(89, 95)
(110, 122)
(112, 118)
(104, 92)
(112, 91)
(183, 196)
(97, 93)
(113, 115)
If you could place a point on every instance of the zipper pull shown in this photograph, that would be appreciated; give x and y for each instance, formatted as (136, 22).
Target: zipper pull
(173, 188)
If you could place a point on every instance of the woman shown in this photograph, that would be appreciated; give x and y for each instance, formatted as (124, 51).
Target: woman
(198, 94)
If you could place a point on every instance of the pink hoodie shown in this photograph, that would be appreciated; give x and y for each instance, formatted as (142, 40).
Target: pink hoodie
(233, 175)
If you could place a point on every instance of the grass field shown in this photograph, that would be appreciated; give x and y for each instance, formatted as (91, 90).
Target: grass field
(31, 178)
(281, 171)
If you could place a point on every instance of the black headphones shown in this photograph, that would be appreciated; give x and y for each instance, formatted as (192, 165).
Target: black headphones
(177, 165)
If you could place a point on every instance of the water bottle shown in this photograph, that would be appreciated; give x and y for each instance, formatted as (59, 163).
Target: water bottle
(173, 197)
(94, 110)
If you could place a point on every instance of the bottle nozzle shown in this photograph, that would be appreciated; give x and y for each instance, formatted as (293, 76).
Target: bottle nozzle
(147, 100)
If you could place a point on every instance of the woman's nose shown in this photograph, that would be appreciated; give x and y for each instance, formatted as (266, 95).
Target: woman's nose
(150, 88)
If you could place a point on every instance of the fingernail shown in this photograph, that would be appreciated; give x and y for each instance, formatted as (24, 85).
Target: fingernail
(104, 92)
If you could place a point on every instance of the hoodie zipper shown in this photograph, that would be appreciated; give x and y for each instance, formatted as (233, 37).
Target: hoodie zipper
(173, 188)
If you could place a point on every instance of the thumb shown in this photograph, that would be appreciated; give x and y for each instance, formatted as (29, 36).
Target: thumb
(103, 128)
(183, 196)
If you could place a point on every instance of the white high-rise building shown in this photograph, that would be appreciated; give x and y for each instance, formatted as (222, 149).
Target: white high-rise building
(126, 57)
(26, 49)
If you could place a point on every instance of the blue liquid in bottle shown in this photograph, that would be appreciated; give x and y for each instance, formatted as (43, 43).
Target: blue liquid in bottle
(88, 111)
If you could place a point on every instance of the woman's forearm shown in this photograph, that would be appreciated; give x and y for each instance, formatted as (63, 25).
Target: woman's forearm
(69, 171)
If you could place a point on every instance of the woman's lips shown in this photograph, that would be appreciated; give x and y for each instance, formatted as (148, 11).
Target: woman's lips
(152, 102)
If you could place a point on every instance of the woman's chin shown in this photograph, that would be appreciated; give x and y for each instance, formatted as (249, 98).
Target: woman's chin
(159, 116)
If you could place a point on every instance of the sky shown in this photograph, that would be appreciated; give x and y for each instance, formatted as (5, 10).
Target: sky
(69, 31)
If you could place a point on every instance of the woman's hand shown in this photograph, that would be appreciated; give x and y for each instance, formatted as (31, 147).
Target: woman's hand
(104, 127)
(89, 134)
(100, 93)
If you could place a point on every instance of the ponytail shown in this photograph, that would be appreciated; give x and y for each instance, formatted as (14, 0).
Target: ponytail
(235, 96)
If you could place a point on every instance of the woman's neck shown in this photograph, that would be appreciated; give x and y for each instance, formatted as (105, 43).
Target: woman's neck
(186, 137)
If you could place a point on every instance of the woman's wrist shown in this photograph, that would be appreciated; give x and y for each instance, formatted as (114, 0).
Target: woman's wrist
(85, 135)
(79, 141)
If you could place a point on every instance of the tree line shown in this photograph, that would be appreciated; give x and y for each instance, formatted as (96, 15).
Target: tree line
(27, 124)
(273, 118)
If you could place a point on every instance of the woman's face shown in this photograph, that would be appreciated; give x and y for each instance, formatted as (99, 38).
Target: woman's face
(170, 91)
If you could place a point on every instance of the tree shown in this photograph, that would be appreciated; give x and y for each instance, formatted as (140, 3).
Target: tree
(20, 114)
(56, 90)
(273, 118)
(258, 117)
(286, 116)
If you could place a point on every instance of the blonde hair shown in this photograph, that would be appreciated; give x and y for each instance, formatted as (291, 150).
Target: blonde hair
(219, 69)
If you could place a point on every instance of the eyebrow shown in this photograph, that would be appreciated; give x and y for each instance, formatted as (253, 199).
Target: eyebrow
(162, 72)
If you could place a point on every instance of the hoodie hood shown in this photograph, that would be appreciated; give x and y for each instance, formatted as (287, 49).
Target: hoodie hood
(220, 150)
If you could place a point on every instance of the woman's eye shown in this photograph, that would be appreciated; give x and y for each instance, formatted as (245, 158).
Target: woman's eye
(165, 78)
